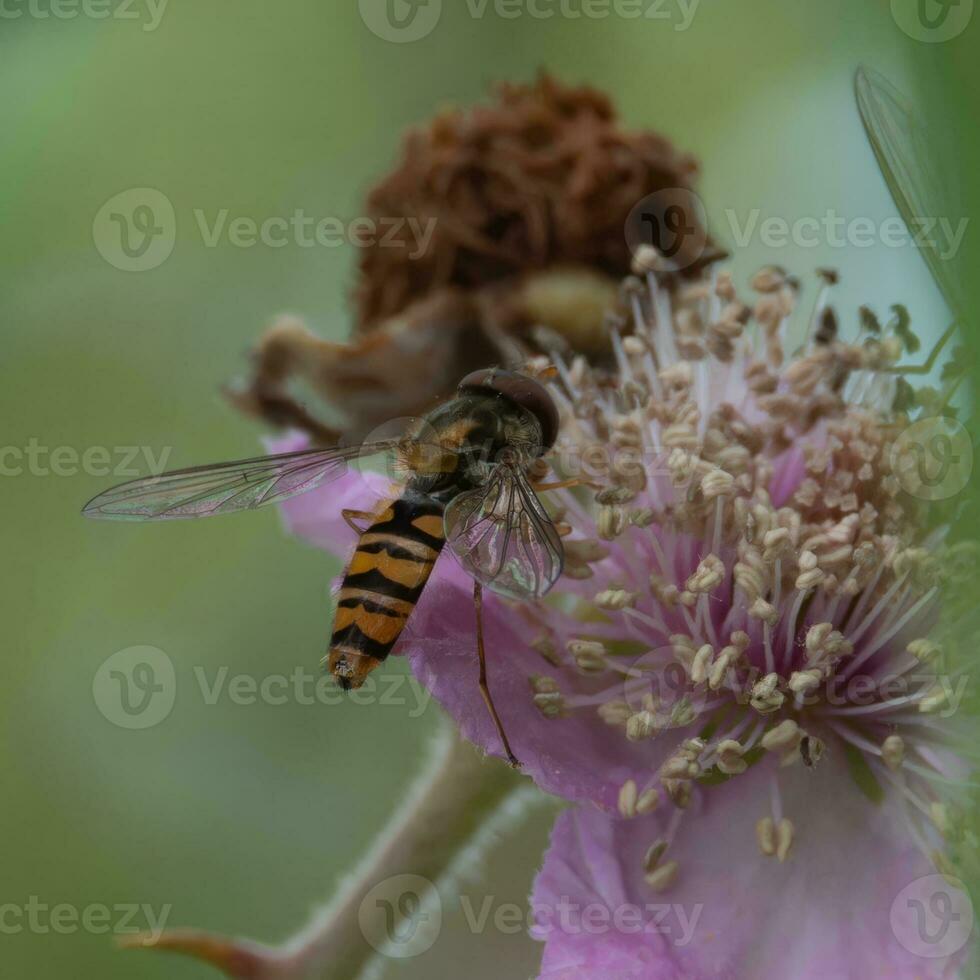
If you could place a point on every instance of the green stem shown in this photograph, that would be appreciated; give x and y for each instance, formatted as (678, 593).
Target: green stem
(442, 828)
(449, 804)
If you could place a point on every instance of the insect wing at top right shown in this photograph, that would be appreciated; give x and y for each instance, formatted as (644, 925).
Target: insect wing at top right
(919, 185)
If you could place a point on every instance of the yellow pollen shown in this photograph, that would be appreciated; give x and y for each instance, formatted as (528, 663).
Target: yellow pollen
(784, 737)
(730, 759)
(784, 839)
(663, 877)
(766, 697)
(653, 855)
(893, 752)
(627, 798)
(648, 801)
(765, 835)
(616, 599)
(641, 725)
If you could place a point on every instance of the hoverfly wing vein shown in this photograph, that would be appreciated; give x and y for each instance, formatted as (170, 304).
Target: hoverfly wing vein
(225, 488)
(521, 565)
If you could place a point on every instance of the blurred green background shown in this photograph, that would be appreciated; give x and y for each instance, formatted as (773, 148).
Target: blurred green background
(242, 817)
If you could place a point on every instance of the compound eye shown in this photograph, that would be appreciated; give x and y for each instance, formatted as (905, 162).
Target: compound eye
(531, 395)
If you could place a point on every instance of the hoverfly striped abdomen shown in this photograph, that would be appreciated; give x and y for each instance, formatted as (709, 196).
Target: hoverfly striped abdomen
(465, 467)
(384, 580)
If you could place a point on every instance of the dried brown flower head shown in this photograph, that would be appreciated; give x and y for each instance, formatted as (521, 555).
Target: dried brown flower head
(526, 201)
(542, 177)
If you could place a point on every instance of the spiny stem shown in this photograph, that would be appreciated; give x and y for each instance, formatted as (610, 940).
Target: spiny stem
(437, 832)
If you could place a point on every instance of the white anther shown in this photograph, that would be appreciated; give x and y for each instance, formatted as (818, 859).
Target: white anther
(893, 751)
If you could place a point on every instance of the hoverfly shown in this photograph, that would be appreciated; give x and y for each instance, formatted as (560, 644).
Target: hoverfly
(467, 486)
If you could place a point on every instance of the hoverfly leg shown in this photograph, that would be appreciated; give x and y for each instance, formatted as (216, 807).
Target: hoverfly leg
(484, 688)
(350, 515)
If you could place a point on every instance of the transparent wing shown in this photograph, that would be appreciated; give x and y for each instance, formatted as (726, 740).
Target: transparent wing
(224, 488)
(501, 534)
(909, 165)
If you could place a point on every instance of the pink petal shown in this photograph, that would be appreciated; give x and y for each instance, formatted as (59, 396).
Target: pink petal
(789, 471)
(827, 912)
(573, 757)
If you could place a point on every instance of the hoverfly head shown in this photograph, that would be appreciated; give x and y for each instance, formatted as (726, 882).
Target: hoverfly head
(522, 391)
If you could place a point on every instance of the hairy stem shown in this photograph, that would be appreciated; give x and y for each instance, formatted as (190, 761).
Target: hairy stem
(446, 821)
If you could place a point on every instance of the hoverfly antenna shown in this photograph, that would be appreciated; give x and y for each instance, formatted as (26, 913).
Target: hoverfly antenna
(531, 395)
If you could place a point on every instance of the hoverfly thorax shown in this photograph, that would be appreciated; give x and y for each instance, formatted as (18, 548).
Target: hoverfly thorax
(497, 418)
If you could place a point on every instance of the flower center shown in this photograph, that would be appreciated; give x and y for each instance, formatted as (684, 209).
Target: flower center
(752, 586)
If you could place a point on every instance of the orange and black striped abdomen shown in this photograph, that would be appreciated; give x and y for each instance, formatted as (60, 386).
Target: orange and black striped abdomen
(394, 558)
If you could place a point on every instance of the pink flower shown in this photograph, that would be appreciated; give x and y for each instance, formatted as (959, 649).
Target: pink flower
(744, 665)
